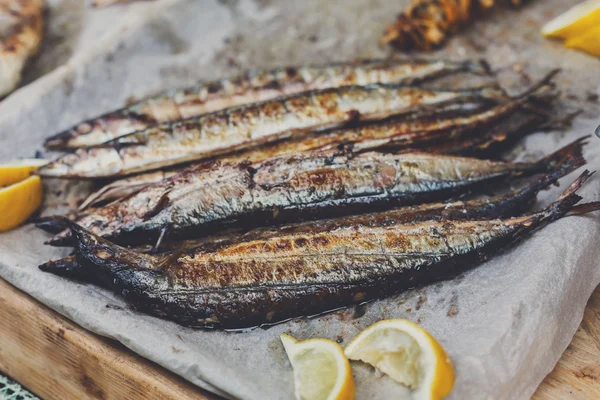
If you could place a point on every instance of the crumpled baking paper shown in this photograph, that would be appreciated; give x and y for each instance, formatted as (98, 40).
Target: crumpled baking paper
(504, 324)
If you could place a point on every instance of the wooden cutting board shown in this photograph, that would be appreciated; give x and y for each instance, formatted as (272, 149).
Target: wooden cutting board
(57, 359)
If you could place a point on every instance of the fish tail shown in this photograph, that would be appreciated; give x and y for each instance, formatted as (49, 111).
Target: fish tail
(580, 209)
(565, 204)
(567, 156)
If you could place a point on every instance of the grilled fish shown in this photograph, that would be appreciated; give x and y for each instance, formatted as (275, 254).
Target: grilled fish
(250, 87)
(488, 137)
(286, 275)
(305, 186)
(505, 205)
(21, 29)
(240, 127)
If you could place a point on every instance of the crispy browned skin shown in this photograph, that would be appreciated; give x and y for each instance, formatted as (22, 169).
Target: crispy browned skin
(453, 129)
(282, 275)
(19, 39)
(306, 186)
(251, 86)
(501, 206)
(238, 128)
(426, 24)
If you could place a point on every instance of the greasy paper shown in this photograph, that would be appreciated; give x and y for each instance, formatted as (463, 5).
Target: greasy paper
(504, 323)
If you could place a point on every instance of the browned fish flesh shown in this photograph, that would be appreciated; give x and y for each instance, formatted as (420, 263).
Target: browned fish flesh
(282, 275)
(250, 87)
(21, 29)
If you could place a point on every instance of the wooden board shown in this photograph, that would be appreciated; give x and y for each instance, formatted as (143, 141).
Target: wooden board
(57, 359)
(577, 374)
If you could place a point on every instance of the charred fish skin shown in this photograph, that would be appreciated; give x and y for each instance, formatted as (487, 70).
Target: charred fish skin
(276, 278)
(251, 86)
(299, 187)
(240, 127)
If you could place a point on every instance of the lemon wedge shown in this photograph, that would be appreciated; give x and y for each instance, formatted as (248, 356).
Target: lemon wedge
(588, 42)
(19, 201)
(575, 21)
(19, 170)
(321, 370)
(408, 354)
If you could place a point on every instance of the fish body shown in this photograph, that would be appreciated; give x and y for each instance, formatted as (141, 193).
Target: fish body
(21, 30)
(238, 128)
(249, 87)
(290, 274)
(482, 138)
(509, 204)
(304, 186)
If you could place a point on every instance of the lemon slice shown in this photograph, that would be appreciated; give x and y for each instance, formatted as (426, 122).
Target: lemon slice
(19, 201)
(575, 21)
(588, 42)
(321, 370)
(19, 170)
(408, 354)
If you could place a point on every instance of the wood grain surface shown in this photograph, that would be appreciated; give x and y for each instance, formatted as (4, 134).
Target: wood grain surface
(57, 359)
(577, 374)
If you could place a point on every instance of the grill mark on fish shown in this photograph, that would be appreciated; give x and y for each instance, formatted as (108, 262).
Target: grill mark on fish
(252, 86)
(21, 41)
(252, 282)
(240, 127)
(305, 186)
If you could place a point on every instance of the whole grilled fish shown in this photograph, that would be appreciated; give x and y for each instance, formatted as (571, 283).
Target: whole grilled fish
(480, 136)
(276, 277)
(305, 186)
(21, 29)
(505, 205)
(250, 87)
(240, 127)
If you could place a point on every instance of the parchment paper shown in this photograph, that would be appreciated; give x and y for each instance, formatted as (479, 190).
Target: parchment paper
(504, 324)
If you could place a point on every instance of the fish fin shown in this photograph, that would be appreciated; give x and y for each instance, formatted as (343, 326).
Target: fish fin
(566, 202)
(569, 154)
(580, 209)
